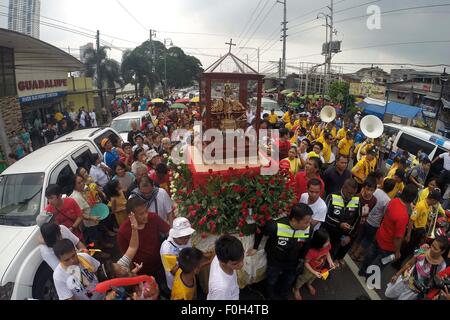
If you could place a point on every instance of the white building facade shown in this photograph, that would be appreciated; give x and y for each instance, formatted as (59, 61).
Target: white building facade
(24, 16)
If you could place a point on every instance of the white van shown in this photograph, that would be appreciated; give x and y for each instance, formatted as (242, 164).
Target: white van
(414, 139)
(23, 273)
(122, 123)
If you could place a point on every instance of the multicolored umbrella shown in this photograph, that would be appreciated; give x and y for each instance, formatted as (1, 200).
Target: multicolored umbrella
(182, 101)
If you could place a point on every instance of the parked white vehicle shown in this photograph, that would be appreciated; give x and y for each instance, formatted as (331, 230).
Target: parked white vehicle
(414, 139)
(23, 273)
(122, 124)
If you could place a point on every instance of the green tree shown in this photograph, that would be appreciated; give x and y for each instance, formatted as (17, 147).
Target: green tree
(110, 72)
(339, 92)
(140, 69)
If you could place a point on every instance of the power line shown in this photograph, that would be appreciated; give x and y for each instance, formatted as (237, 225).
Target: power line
(259, 25)
(378, 46)
(250, 19)
(131, 15)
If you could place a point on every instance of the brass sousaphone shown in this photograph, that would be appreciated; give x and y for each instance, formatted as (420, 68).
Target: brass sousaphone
(328, 114)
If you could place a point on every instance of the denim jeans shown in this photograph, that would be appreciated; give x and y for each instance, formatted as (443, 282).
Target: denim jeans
(373, 256)
(283, 276)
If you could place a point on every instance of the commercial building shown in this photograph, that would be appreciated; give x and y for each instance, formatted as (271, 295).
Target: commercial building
(33, 82)
(83, 49)
(24, 16)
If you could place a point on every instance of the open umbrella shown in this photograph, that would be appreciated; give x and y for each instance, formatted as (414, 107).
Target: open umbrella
(271, 90)
(290, 94)
(287, 91)
(158, 100)
(195, 99)
(177, 106)
(182, 101)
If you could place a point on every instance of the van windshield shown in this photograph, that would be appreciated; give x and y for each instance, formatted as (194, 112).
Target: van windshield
(124, 125)
(20, 198)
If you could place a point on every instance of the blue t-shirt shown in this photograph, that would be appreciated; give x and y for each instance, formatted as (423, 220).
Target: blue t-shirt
(143, 104)
(111, 159)
(359, 137)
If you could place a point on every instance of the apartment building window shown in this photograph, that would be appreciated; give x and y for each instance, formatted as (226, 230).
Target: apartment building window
(7, 74)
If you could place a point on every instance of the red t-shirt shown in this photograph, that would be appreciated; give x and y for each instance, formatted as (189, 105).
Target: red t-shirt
(394, 224)
(301, 184)
(283, 147)
(149, 242)
(67, 214)
(317, 258)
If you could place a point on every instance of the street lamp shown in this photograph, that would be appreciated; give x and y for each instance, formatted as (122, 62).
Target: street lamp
(257, 50)
(444, 77)
(165, 63)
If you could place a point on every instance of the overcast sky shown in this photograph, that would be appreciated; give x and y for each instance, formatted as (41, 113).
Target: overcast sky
(217, 21)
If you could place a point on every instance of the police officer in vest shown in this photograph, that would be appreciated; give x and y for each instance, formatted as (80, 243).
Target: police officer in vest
(284, 247)
(342, 220)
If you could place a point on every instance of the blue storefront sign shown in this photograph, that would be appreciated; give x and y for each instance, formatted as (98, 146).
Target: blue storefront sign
(42, 96)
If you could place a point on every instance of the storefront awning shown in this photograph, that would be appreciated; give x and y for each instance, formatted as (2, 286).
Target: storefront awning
(32, 53)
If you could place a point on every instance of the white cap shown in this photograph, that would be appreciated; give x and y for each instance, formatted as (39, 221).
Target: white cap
(151, 154)
(181, 228)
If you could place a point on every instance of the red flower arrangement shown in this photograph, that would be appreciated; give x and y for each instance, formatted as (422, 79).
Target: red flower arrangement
(237, 203)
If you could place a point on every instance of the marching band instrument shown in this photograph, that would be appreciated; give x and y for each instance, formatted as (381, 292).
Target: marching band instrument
(372, 127)
(431, 234)
(328, 114)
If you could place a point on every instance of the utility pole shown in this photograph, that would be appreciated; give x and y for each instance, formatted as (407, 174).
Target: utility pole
(152, 54)
(165, 64)
(99, 73)
(284, 36)
(257, 50)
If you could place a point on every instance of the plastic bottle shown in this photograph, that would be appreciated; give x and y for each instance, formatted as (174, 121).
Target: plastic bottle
(388, 259)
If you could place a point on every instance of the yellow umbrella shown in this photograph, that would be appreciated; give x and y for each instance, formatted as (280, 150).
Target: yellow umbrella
(195, 99)
(158, 100)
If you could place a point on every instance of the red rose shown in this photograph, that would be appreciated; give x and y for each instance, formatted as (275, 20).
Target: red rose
(202, 221)
(252, 200)
(212, 224)
(275, 205)
(180, 192)
(223, 189)
(268, 217)
(259, 193)
(191, 208)
(261, 181)
(255, 217)
(271, 192)
(215, 211)
(204, 235)
(209, 212)
(244, 205)
(192, 213)
(197, 206)
(244, 212)
(264, 207)
(262, 222)
(272, 181)
(215, 193)
(283, 196)
(241, 234)
(236, 189)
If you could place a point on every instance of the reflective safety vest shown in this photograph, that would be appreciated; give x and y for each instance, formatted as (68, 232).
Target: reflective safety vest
(338, 201)
(339, 213)
(286, 231)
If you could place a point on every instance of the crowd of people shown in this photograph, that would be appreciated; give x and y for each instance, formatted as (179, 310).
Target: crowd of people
(347, 204)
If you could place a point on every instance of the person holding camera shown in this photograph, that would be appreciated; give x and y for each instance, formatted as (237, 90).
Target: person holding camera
(416, 278)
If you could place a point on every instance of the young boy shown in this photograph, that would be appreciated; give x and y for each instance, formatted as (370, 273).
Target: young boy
(223, 283)
(75, 277)
(399, 185)
(184, 284)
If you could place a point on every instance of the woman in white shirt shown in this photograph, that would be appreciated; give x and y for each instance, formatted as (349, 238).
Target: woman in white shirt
(50, 233)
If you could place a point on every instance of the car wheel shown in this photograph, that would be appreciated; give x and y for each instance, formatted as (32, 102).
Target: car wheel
(43, 286)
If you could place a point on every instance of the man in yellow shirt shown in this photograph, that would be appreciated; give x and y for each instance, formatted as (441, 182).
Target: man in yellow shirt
(363, 168)
(345, 145)
(315, 132)
(432, 184)
(290, 125)
(399, 185)
(420, 220)
(287, 116)
(342, 133)
(273, 118)
(184, 284)
(398, 164)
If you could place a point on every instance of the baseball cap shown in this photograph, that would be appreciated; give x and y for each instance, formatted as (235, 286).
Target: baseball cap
(151, 154)
(104, 142)
(181, 228)
(312, 154)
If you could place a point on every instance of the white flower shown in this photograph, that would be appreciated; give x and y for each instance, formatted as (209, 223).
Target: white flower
(179, 167)
(176, 175)
(182, 162)
(165, 155)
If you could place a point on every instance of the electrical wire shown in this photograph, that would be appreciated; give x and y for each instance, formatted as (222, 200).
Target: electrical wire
(131, 15)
